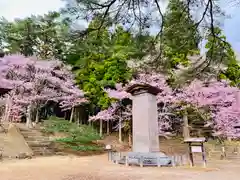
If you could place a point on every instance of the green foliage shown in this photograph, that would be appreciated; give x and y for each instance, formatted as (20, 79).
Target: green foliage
(176, 58)
(103, 61)
(232, 73)
(55, 124)
(180, 36)
(219, 51)
(78, 138)
(44, 36)
(84, 148)
(194, 114)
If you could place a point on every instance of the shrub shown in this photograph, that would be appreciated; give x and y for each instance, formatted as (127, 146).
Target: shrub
(79, 138)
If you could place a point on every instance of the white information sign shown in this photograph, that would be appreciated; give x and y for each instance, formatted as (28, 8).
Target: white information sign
(196, 149)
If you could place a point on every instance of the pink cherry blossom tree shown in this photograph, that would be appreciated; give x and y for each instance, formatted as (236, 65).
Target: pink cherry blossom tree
(222, 100)
(219, 97)
(32, 83)
(124, 114)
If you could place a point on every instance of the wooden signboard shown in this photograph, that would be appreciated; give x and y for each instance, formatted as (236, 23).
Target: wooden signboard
(196, 146)
(196, 149)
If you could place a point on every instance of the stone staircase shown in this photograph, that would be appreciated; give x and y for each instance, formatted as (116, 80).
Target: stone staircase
(40, 144)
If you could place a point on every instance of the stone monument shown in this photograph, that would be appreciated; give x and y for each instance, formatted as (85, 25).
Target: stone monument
(145, 118)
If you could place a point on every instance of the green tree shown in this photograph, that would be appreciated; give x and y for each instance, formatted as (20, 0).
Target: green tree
(102, 61)
(232, 73)
(219, 51)
(45, 36)
(180, 36)
(52, 36)
(18, 36)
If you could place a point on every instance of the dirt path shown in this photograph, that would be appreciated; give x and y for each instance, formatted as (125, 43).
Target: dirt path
(98, 168)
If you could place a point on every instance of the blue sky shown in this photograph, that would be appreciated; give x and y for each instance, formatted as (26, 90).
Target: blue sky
(11, 9)
(232, 26)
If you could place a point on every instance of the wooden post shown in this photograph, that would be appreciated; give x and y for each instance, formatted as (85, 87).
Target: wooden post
(141, 161)
(158, 162)
(173, 161)
(196, 145)
(126, 161)
(190, 155)
(181, 160)
(203, 156)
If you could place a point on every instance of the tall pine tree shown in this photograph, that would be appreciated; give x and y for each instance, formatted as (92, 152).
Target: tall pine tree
(180, 36)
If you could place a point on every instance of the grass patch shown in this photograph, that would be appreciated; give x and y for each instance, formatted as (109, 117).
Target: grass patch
(84, 148)
(78, 138)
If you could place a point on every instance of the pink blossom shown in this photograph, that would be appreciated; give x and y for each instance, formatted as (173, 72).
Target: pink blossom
(34, 81)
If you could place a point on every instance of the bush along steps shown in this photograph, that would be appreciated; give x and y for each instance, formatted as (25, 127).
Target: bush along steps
(78, 139)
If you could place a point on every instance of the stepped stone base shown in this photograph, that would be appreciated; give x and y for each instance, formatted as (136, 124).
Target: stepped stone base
(14, 144)
(17, 141)
(40, 145)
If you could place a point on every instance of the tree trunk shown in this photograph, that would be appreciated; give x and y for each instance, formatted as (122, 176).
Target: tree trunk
(186, 133)
(120, 131)
(7, 109)
(108, 129)
(72, 115)
(29, 117)
(89, 123)
(37, 116)
(129, 138)
(101, 128)
(76, 116)
(80, 115)
(65, 114)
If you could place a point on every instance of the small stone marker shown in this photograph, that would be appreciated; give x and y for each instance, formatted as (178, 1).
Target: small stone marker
(108, 147)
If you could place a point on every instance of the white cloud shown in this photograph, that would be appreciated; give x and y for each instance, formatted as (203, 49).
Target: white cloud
(11, 9)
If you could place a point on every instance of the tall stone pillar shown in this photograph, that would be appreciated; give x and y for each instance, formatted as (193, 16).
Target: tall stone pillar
(145, 118)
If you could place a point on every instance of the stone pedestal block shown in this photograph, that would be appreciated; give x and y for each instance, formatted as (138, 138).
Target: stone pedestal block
(145, 118)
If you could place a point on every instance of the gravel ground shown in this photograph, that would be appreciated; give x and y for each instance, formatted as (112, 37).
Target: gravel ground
(98, 168)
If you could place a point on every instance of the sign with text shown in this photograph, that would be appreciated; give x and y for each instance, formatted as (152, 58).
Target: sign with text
(196, 149)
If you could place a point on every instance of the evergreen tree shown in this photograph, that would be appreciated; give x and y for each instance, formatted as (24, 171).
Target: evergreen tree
(102, 61)
(219, 51)
(180, 36)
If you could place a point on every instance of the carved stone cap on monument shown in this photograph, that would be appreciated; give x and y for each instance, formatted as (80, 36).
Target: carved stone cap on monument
(137, 89)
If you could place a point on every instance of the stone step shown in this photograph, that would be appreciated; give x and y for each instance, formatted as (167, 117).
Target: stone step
(237, 157)
(42, 151)
(37, 138)
(25, 134)
(39, 143)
